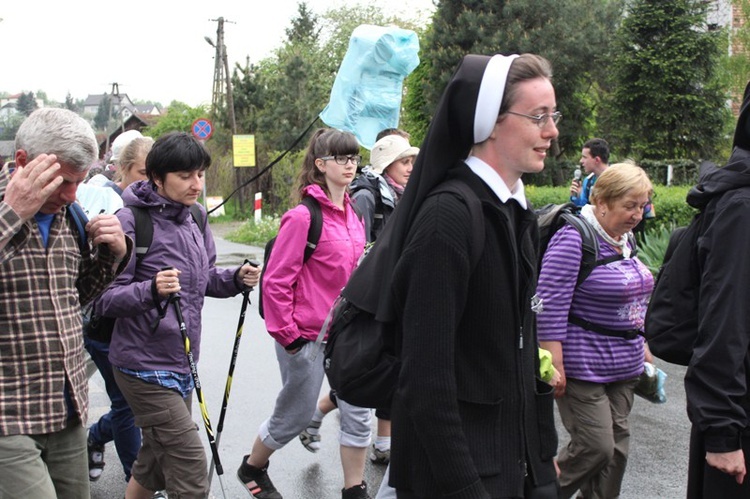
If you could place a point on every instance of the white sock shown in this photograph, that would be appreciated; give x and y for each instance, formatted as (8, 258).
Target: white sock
(383, 443)
(315, 430)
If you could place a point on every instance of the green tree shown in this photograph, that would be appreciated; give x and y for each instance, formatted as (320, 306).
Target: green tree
(103, 114)
(667, 100)
(178, 118)
(574, 35)
(42, 95)
(304, 27)
(738, 64)
(26, 104)
(9, 126)
(70, 103)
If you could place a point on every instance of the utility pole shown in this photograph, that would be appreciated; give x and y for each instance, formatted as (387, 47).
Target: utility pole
(222, 78)
(114, 93)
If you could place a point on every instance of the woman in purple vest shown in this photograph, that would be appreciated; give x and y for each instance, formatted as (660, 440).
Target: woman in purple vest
(594, 332)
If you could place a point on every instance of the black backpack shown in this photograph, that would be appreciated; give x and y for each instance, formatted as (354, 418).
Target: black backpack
(672, 314)
(313, 236)
(372, 184)
(551, 218)
(99, 328)
(360, 358)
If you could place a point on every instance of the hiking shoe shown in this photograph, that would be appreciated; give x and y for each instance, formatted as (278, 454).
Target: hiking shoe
(256, 481)
(96, 460)
(356, 492)
(378, 456)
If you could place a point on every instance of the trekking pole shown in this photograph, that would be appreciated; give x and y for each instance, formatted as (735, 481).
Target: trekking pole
(175, 299)
(232, 363)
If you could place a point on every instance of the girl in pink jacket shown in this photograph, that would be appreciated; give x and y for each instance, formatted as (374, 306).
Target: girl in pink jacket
(297, 296)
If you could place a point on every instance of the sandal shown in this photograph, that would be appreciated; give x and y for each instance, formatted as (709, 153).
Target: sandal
(311, 441)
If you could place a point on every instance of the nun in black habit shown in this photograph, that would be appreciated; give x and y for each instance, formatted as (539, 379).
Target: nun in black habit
(471, 418)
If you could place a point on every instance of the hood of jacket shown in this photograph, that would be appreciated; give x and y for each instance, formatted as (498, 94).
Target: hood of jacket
(713, 180)
(143, 194)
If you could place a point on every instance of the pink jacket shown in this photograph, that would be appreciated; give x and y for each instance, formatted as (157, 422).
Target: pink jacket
(297, 296)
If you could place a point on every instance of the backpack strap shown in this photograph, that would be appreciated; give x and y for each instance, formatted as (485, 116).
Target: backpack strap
(471, 200)
(598, 328)
(144, 227)
(75, 213)
(197, 214)
(364, 181)
(589, 245)
(589, 261)
(144, 230)
(316, 225)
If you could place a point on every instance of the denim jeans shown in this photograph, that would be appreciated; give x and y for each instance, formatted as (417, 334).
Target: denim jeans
(118, 424)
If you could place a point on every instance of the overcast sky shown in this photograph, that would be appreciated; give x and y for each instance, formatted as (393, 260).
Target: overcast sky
(155, 50)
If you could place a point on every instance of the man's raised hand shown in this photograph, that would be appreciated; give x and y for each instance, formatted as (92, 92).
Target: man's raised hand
(31, 185)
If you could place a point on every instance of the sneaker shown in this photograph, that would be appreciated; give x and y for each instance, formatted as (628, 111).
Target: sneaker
(356, 492)
(378, 456)
(96, 460)
(160, 494)
(256, 481)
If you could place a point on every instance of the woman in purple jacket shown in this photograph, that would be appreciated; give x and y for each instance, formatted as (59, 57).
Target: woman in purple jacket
(147, 349)
(592, 331)
(297, 296)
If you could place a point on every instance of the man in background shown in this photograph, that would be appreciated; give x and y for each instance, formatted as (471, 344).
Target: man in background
(594, 160)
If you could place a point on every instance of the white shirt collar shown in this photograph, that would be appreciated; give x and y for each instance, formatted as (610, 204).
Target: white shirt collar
(493, 180)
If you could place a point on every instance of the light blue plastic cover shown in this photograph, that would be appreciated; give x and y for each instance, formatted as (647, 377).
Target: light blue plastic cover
(366, 95)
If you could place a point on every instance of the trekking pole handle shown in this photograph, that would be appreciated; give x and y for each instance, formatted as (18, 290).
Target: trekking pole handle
(252, 263)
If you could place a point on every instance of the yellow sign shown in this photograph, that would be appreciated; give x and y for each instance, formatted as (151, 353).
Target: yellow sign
(244, 150)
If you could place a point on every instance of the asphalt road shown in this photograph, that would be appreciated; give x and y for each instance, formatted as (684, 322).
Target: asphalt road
(659, 441)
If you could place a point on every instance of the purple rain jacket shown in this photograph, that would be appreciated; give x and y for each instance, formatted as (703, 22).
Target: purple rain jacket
(177, 242)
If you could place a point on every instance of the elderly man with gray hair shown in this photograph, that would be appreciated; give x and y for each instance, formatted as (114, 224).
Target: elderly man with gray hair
(47, 270)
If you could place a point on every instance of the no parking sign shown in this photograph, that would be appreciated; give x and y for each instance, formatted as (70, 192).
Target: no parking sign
(202, 129)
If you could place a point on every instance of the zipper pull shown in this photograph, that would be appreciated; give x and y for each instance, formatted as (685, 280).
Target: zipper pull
(520, 339)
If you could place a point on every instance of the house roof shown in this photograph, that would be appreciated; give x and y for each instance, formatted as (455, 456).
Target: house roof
(134, 122)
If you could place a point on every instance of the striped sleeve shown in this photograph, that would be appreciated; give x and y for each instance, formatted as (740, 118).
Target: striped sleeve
(557, 281)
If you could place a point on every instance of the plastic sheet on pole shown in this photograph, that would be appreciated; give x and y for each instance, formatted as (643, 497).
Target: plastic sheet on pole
(366, 95)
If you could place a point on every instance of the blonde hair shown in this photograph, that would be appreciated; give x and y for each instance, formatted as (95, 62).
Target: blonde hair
(136, 148)
(618, 180)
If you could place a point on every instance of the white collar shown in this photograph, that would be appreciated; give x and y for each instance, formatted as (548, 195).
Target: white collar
(496, 183)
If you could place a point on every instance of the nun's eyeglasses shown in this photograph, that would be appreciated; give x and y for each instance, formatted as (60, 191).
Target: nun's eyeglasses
(343, 160)
(541, 120)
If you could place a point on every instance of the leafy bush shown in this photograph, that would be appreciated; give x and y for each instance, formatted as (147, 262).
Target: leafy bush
(652, 245)
(540, 195)
(684, 171)
(256, 233)
(670, 206)
(669, 202)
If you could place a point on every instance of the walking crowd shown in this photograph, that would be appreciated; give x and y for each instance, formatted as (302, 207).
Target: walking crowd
(480, 303)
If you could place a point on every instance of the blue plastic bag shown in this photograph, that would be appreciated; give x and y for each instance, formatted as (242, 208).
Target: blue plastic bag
(366, 95)
(651, 384)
